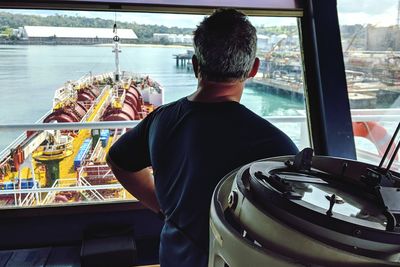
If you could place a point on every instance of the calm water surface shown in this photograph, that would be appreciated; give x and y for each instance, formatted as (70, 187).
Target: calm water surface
(29, 75)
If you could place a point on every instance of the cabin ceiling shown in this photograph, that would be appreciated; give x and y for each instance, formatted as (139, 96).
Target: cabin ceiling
(280, 8)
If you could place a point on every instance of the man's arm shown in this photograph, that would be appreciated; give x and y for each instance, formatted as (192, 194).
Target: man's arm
(140, 184)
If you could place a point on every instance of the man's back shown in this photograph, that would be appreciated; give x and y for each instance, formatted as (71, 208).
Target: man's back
(192, 145)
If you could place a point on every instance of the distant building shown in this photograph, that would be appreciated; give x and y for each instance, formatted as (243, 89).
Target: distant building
(263, 42)
(173, 38)
(74, 35)
(283, 41)
(383, 39)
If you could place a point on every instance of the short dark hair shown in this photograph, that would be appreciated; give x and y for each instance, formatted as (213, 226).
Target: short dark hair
(225, 45)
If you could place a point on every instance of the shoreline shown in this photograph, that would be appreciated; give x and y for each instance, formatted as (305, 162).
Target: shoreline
(98, 45)
(147, 45)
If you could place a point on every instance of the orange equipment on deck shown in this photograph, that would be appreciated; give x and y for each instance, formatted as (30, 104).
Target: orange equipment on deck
(375, 133)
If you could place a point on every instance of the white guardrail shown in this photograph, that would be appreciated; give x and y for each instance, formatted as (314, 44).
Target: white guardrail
(377, 115)
(358, 115)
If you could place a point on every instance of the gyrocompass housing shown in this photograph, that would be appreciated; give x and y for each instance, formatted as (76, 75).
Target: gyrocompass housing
(306, 211)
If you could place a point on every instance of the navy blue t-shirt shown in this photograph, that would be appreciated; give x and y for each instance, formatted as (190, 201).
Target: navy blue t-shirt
(191, 146)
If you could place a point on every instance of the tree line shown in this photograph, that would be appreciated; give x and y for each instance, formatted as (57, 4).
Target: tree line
(143, 31)
(9, 21)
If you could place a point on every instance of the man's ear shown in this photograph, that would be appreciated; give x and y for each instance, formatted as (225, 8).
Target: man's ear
(254, 69)
(195, 65)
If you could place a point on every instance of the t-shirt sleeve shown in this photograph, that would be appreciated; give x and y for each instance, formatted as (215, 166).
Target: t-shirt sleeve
(288, 146)
(131, 151)
(275, 143)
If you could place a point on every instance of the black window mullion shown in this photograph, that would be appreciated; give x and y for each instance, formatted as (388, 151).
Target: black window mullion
(326, 88)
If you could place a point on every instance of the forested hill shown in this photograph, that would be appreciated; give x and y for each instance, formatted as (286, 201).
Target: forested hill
(144, 32)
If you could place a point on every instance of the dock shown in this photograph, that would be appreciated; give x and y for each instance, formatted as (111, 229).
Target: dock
(363, 95)
(184, 59)
(281, 87)
(372, 94)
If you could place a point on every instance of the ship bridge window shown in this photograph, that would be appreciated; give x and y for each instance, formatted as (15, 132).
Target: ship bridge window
(101, 72)
(370, 34)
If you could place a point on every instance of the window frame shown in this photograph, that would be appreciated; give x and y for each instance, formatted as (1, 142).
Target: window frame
(324, 83)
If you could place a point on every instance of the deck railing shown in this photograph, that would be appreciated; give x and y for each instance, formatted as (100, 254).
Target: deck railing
(377, 115)
(358, 115)
(60, 189)
(384, 116)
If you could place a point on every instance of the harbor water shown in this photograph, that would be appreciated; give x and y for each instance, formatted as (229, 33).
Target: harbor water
(29, 76)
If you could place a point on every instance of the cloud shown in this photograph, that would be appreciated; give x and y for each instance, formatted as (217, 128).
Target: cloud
(28, 12)
(169, 20)
(375, 12)
(273, 21)
(371, 7)
(386, 17)
(378, 13)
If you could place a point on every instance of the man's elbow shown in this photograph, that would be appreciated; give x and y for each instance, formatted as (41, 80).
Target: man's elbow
(109, 161)
(114, 168)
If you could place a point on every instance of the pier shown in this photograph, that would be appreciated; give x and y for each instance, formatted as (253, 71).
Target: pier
(284, 88)
(369, 95)
(184, 59)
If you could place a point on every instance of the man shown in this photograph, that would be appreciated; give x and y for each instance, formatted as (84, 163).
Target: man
(193, 142)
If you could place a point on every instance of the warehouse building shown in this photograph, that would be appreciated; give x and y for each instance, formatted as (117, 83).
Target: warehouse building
(74, 35)
(173, 38)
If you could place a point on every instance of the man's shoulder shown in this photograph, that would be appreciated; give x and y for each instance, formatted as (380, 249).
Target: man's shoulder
(254, 118)
(169, 106)
(270, 133)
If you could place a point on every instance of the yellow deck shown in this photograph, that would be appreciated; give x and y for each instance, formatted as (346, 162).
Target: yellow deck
(67, 164)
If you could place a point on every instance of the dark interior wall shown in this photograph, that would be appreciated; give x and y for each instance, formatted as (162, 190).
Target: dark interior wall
(68, 228)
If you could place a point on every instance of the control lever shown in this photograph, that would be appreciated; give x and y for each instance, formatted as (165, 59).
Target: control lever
(386, 186)
(302, 161)
(388, 150)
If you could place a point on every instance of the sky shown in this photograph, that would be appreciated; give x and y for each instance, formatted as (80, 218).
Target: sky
(375, 12)
(169, 20)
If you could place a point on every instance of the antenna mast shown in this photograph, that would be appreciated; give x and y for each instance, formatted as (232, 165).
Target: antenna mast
(398, 14)
(116, 50)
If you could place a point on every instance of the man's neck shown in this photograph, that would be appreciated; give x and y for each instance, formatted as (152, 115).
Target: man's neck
(208, 91)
